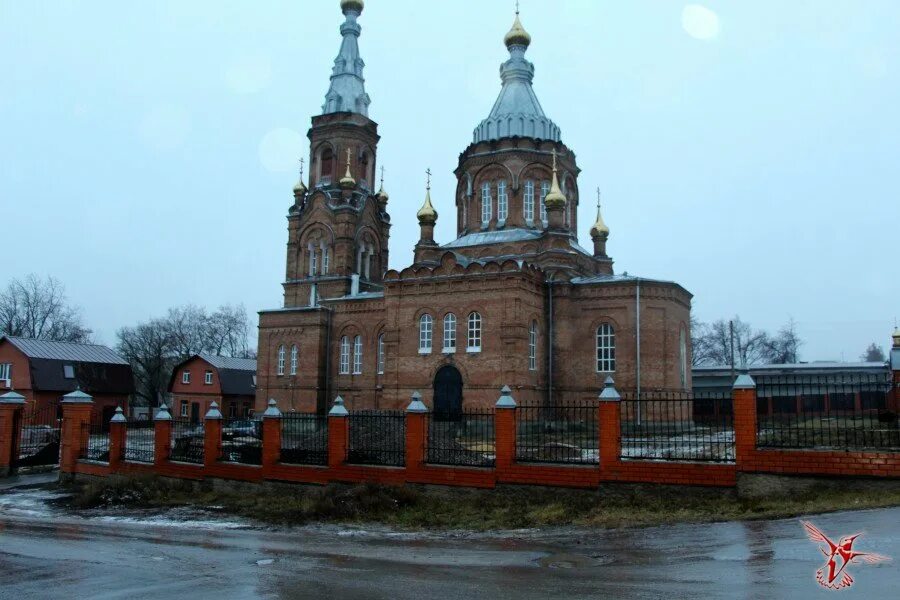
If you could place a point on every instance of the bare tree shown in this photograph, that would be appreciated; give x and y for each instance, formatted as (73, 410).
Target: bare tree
(873, 353)
(227, 330)
(784, 348)
(150, 349)
(722, 341)
(702, 352)
(38, 308)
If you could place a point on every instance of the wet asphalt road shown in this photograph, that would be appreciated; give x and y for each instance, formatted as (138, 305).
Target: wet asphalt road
(45, 553)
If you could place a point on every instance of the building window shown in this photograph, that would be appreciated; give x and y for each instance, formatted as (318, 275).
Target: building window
(6, 374)
(473, 340)
(325, 261)
(357, 355)
(207, 378)
(381, 354)
(528, 208)
(502, 202)
(425, 324)
(682, 356)
(281, 360)
(449, 332)
(545, 189)
(232, 410)
(532, 347)
(345, 356)
(184, 408)
(294, 359)
(68, 372)
(254, 380)
(606, 349)
(313, 262)
(186, 377)
(486, 208)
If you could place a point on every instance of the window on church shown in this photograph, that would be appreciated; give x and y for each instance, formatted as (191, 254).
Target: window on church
(344, 366)
(294, 359)
(280, 360)
(486, 208)
(528, 208)
(324, 261)
(606, 349)
(425, 325)
(545, 189)
(449, 333)
(473, 340)
(326, 168)
(532, 347)
(313, 261)
(357, 355)
(502, 201)
(381, 354)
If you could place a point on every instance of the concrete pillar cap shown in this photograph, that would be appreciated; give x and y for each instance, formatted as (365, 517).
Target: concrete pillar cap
(119, 417)
(744, 381)
(77, 397)
(505, 400)
(272, 411)
(338, 410)
(213, 414)
(610, 393)
(163, 413)
(12, 398)
(416, 405)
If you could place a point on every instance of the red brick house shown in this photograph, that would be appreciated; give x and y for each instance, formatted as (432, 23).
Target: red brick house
(45, 371)
(203, 379)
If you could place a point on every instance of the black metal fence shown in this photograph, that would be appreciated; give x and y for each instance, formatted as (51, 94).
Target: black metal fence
(187, 441)
(242, 441)
(677, 426)
(304, 439)
(849, 412)
(377, 438)
(94, 441)
(461, 438)
(140, 436)
(39, 436)
(562, 433)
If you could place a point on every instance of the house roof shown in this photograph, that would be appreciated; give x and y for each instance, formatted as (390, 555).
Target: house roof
(230, 362)
(236, 375)
(70, 351)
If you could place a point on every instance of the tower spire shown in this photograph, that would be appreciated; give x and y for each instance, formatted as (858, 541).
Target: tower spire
(347, 92)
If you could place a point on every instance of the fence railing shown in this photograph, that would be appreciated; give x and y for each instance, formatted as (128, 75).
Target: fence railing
(187, 441)
(377, 438)
(677, 426)
(304, 439)
(242, 441)
(562, 433)
(462, 438)
(849, 413)
(94, 441)
(140, 436)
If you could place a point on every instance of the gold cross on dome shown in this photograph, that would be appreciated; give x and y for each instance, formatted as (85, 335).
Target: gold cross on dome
(428, 174)
(348, 156)
(382, 176)
(598, 197)
(517, 6)
(301, 168)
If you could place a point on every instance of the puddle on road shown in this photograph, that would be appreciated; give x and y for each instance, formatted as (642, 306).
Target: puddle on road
(573, 561)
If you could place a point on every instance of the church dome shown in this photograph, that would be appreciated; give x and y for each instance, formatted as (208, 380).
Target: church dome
(300, 188)
(517, 36)
(427, 214)
(382, 195)
(356, 5)
(599, 228)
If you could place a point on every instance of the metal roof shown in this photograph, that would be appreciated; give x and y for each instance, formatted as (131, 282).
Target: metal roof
(492, 237)
(66, 351)
(615, 279)
(787, 368)
(229, 362)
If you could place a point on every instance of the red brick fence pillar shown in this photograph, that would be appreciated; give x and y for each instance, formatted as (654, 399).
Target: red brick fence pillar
(117, 439)
(609, 425)
(12, 409)
(504, 431)
(212, 435)
(271, 435)
(77, 408)
(416, 432)
(744, 398)
(162, 436)
(338, 434)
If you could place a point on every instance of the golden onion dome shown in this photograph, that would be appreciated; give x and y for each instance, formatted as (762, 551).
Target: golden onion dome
(427, 214)
(554, 197)
(356, 5)
(382, 195)
(347, 182)
(517, 36)
(599, 228)
(300, 188)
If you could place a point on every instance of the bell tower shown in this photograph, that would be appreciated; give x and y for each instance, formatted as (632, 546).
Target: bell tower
(338, 227)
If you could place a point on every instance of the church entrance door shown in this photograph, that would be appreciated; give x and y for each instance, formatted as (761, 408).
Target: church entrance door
(447, 394)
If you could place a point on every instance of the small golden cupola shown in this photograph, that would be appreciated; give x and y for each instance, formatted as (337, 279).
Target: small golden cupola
(427, 214)
(555, 198)
(517, 36)
(300, 188)
(599, 228)
(347, 182)
(382, 195)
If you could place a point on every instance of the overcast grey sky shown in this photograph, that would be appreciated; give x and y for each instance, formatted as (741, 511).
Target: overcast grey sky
(747, 150)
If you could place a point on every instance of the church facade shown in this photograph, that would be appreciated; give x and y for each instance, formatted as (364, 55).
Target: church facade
(513, 300)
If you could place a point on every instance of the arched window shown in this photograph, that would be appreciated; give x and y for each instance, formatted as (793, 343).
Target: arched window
(281, 360)
(545, 189)
(425, 326)
(532, 347)
(449, 333)
(357, 355)
(473, 340)
(381, 354)
(294, 359)
(682, 356)
(326, 166)
(345, 356)
(502, 201)
(606, 349)
(486, 208)
(325, 258)
(528, 208)
(313, 260)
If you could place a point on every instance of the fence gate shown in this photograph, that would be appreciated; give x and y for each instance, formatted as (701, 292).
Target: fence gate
(39, 430)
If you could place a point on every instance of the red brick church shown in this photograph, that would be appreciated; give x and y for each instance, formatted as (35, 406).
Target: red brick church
(513, 300)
